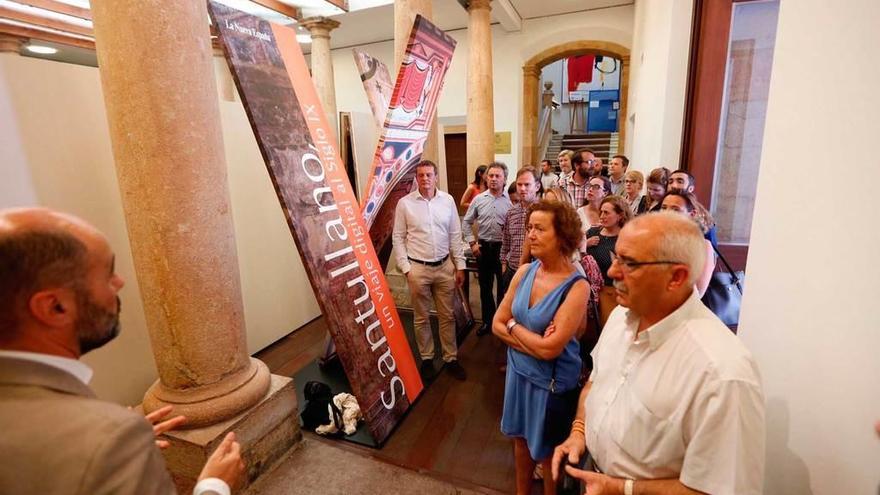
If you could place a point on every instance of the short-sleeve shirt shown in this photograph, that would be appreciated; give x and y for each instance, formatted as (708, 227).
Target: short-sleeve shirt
(682, 399)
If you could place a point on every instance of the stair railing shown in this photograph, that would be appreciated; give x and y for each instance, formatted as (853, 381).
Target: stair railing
(545, 132)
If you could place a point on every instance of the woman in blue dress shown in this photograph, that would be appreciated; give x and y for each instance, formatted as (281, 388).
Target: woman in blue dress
(541, 356)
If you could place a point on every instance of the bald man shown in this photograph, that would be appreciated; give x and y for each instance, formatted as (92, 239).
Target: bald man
(58, 301)
(674, 403)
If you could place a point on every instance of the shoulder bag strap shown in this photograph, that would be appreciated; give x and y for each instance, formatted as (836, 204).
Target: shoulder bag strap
(727, 265)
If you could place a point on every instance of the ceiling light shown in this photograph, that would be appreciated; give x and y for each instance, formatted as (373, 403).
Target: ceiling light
(304, 38)
(42, 50)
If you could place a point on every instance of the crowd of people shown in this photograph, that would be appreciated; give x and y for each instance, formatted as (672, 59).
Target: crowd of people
(592, 276)
(593, 285)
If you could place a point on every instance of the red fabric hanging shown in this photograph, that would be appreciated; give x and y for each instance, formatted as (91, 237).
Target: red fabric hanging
(580, 69)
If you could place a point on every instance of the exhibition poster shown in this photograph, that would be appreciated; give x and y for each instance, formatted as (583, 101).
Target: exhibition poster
(322, 213)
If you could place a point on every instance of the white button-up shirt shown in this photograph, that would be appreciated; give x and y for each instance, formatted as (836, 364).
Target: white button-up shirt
(683, 400)
(426, 230)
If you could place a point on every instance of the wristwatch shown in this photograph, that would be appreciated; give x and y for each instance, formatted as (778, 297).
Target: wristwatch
(510, 324)
(628, 487)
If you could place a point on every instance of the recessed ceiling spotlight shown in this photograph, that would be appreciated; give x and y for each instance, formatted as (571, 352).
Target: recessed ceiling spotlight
(304, 38)
(42, 50)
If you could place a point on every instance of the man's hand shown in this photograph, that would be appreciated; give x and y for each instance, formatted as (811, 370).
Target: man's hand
(225, 463)
(570, 450)
(475, 248)
(459, 278)
(597, 484)
(504, 268)
(155, 419)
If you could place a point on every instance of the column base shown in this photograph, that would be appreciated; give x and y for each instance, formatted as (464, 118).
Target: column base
(266, 431)
(209, 404)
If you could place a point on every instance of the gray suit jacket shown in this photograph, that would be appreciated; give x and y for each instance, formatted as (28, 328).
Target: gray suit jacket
(57, 437)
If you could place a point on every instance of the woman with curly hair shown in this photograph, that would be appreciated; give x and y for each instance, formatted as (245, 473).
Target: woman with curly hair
(544, 364)
(614, 212)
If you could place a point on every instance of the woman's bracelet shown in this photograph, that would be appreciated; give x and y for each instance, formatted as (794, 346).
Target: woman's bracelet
(510, 324)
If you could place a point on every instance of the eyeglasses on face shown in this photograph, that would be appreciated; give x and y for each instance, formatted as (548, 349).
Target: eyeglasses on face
(628, 264)
(629, 181)
(595, 187)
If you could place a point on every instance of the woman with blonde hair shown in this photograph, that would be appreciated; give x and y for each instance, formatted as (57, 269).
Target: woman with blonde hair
(564, 159)
(633, 181)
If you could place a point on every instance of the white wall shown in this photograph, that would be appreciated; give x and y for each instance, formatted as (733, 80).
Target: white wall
(809, 312)
(56, 148)
(510, 52)
(658, 83)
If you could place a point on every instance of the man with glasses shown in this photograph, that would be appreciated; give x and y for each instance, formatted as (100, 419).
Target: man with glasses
(674, 403)
(579, 183)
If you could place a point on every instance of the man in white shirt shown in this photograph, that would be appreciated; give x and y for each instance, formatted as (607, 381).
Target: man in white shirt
(59, 300)
(428, 250)
(674, 403)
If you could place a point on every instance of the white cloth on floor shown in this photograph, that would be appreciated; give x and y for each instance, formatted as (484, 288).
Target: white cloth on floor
(351, 414)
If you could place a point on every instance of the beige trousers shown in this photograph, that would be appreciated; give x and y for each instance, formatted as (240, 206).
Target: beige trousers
(437, 283)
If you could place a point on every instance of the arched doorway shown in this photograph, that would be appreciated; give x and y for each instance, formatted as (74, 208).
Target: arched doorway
(531, 78)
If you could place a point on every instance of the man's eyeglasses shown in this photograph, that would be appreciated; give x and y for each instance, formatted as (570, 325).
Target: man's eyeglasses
(595, 187)
(628, 265)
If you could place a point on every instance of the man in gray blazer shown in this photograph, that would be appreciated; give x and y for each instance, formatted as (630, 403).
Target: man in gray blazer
(58, 300)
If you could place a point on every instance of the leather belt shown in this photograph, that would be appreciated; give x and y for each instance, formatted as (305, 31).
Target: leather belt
(429, 263)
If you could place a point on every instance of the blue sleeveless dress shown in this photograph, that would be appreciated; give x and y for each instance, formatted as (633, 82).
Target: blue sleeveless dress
(527, 384)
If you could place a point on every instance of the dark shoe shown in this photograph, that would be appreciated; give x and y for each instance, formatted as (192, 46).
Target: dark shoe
(427, 368)
(483, 330)
(456, 370)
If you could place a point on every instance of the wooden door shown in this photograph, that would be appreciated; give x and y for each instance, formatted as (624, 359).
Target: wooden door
(728, 83)
(456, 164)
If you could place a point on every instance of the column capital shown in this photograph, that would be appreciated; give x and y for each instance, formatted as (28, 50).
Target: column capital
(10, 43)
(319, 26)
(479, 4)
(531, 71)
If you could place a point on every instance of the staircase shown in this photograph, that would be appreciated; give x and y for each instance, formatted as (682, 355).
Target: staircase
(604, 144)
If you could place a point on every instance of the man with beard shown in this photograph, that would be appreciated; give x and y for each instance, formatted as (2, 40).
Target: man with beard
(674, 403)
(579, 182)
(682, 180)
(58, 301)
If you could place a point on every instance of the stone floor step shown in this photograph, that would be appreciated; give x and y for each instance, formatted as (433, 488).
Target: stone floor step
(319, 466)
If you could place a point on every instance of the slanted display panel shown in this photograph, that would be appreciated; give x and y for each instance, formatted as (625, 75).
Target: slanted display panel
(322, 213)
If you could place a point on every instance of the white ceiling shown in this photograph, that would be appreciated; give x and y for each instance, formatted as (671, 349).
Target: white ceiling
(529, 9)
(377, 24)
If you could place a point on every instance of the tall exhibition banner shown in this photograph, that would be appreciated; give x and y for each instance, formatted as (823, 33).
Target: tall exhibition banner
(322, 214)
(403, 135)
(407, 122)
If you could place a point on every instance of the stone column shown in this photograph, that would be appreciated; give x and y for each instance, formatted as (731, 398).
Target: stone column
(480, 99)
(531, 79)
(10, 44)
(322, 65)
(405, 12)
(164, 121)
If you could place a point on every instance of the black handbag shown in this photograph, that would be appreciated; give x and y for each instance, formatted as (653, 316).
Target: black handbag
(724, 294)
(560, 412)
